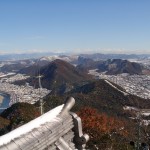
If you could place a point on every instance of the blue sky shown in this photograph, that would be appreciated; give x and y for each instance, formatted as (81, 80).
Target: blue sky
(75, 26)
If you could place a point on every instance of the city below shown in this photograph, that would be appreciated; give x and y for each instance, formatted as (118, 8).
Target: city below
(24, 93)
(138, 85)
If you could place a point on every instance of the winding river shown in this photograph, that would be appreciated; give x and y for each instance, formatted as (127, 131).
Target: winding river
(4, 101)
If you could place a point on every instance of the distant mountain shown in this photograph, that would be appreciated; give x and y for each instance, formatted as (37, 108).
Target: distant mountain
(12, 68)
(34, 69)
(25, 66)
(22, 56)
(85, 64)
(43, 61)
(59, 76)
(49, 56)
(118, 66)
(31, 70)
(15, 66)
(66, 58)
(110, 66)
(99, 56)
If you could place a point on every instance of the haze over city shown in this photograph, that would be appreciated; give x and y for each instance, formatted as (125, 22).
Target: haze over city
(86, 26)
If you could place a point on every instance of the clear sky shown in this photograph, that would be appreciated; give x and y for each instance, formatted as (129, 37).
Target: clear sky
(105, 26)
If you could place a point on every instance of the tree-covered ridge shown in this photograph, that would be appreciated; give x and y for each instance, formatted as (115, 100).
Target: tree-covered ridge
(106, 103)
(4, 124)
(19, 114)
(104, 131)
(100, 95)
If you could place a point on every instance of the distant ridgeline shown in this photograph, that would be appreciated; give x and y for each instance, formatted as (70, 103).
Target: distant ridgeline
(58, 129)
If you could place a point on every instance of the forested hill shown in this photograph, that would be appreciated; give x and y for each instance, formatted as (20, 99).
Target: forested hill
(58, 75)
(100, 105)
(102, 96)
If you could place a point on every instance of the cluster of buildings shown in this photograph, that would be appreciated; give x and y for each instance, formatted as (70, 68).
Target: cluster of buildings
(134, 84)
(15, 77)
(24, 93)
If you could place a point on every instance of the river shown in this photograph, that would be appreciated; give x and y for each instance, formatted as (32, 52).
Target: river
(5, 99)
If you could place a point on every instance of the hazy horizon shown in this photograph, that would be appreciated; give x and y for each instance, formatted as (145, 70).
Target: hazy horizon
(69, 53)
